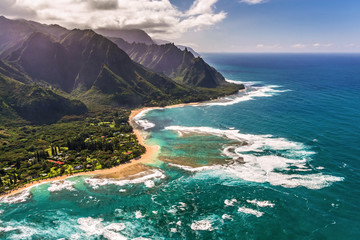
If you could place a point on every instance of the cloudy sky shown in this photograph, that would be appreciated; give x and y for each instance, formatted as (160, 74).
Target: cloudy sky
(212, 25)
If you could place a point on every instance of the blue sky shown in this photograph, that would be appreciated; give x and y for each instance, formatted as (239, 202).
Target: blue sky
(212, 25)
(282, 26)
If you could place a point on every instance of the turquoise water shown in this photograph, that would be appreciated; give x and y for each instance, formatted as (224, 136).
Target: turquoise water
(278, 161)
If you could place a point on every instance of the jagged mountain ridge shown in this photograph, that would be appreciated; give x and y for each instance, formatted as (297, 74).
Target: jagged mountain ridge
(83, 65)
(168, 59)
(82, 61)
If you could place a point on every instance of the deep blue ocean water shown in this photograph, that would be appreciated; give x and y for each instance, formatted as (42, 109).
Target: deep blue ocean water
(280, 160)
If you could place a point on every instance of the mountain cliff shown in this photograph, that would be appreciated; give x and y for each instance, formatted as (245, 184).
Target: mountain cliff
(171, 61)
(89, 66)
(44, 66)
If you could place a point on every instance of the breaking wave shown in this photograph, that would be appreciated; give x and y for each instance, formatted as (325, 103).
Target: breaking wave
(202, 225)
(143, 123)
(262, 159)
(252, 91)
(96, 227)
(61, 185)
(136, 179)
(261, 203)
(22, 196)
(250, 211)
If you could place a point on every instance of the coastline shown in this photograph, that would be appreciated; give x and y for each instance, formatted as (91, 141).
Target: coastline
(147, 157)
(118, 171)
(121, 170)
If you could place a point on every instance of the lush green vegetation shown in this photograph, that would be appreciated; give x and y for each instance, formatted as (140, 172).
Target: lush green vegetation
(74, 144)
(51, 77)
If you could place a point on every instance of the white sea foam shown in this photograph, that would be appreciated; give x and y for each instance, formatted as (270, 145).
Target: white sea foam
(287, 169)
(190, 169)
(22, 196)
(182, 206)
(172, 209)
(142, 113)
(138, 214)
(242, 82)
(226, 217)
(137, 178)
(91, 226)
(250, 93)
(117, 227)
(25, 232)
(143, 123)
(256, 143)
(230, 202)
(75, 236)
(61, 185)
(261, 203)
(202, 225)
(96, 227)
(149, 183)
(250, 211)
(7, 229)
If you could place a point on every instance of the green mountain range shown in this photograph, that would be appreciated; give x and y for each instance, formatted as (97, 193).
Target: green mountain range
(46, 70)
(171, 61)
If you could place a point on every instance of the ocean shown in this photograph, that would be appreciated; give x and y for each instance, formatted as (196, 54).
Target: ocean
(280, 160)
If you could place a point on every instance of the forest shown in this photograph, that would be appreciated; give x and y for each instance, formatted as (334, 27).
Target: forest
(93, 141)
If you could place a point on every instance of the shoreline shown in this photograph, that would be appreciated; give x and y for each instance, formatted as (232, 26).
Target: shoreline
(147, 157)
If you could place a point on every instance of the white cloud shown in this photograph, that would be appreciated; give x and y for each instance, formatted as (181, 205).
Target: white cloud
(322, 45)
(253, 2)
(269, 47)
(201, 6)
(298, 45)
(160, 18)
(352, 45)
